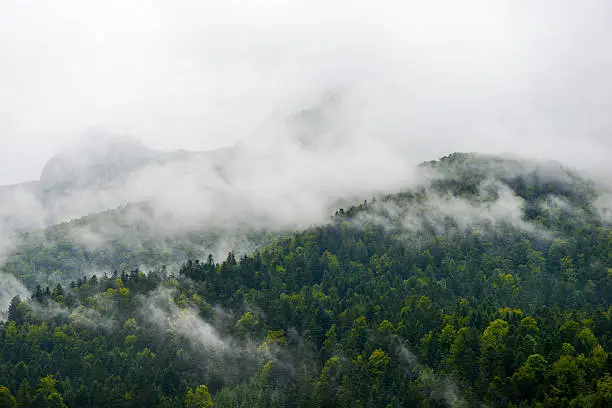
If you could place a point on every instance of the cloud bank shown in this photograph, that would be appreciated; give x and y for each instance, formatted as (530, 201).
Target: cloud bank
(323, 102)
(426, 78)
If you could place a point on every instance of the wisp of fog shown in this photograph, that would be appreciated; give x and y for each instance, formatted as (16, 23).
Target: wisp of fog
(299, 104)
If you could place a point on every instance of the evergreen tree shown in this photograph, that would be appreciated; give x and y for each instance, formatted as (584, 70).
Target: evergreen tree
(14, 312)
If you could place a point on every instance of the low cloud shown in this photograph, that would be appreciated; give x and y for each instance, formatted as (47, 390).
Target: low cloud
(494, 205)
(292, 173)
(9, 288)
(438, 387)
(413, 84)
(159, 309)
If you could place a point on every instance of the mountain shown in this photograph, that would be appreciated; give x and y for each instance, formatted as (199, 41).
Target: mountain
(96, 161)
(487, 283)
(85, 213)
(460, 189)
(103, 171)
(109, 202)
(97, 174)
(103, 161)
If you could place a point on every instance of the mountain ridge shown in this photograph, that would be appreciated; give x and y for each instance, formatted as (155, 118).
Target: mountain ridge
(458, 188)
(464, 290)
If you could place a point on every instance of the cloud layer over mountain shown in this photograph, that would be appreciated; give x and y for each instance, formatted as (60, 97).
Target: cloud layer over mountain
(313, 102)
(425, 79)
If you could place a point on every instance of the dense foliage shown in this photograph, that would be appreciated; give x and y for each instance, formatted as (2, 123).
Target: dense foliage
(394, 303)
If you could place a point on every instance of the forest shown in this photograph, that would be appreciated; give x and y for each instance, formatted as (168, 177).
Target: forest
(488, 286)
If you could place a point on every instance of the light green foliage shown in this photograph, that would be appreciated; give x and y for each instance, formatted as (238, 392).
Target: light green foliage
(198, 398)
(247, 321)
(378, 361)
(6, 398)
(587, 339)
(130, 339)
(130, 324)
(529, 325)
(47, 395)
(494, 336)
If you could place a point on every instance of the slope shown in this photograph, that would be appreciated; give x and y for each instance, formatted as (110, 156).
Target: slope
(131, 237)
(478, 289)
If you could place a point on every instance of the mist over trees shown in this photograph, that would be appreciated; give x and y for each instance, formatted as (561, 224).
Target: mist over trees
(220, 204)
(488, 284)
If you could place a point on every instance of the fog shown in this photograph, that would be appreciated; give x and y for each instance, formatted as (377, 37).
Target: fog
(314, 102)
(439, 388)
(9, 288)
(424, 79)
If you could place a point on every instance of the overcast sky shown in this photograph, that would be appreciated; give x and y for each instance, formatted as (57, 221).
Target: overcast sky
(530, 77)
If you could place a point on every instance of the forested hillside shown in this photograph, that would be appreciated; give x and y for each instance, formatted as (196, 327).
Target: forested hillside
(129, 237)
(489, 284)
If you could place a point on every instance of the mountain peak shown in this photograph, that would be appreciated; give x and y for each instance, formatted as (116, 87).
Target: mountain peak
(92, 158)
(101, 142)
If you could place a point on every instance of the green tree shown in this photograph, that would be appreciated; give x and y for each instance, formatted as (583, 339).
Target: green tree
(6, 398)
(198, 398)
(14, 311)
(528, 379)
(47, 395)
(494, 348)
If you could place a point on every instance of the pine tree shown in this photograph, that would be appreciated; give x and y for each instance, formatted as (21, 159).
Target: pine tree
(14, 313)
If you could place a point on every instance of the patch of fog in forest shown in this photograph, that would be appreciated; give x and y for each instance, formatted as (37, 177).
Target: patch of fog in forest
(440, 388)
(490, 198)
(159, 309)
(9, 288)
(210, 345)
(435, 211)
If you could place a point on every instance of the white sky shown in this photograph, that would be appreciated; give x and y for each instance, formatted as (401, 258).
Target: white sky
(531, 77)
